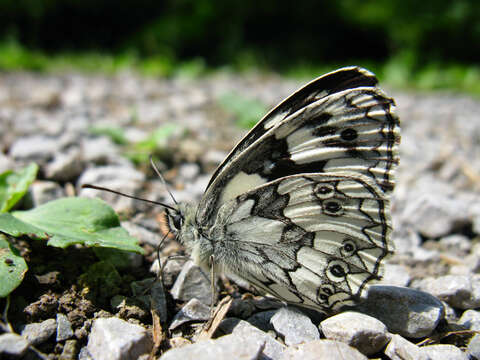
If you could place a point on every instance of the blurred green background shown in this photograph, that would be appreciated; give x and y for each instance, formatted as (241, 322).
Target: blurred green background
(425, 44)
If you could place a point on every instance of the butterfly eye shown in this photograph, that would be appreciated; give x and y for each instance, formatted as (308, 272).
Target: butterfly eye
(177, 220)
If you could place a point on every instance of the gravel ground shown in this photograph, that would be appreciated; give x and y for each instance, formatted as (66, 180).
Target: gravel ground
(425, 308)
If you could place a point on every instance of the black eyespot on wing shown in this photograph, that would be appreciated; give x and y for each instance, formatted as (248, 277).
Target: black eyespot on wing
(349, 134)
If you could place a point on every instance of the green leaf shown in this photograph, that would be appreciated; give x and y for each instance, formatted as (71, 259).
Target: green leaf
(12, 267)
(13, 185)
(68, 221)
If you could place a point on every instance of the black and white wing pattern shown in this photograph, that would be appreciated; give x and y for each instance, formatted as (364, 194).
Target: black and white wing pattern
(300, 207)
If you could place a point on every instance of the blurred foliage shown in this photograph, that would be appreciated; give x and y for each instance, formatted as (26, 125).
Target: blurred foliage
(406, 39)
(246, 111)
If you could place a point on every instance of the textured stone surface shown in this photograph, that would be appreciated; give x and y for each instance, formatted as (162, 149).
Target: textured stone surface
(115, 339)
(405, 311)
(363, 332)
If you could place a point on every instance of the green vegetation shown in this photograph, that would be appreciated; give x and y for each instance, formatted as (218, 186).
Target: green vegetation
(426, 45)
(60, 223)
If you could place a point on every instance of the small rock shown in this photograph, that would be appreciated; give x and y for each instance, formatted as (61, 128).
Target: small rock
(159, 301)
(365, 333)
(193, 310)
(144, 236)
(225, 347)
(433, 214)
(470, 319)
(64, 328)
(272, 350)
(45, 191)
(13, 345)
(400, 348)
(457, 244)
(408, 312)
(294, 326)
(473, 347)
(241, 308)
(323, 349)
(191, 283)
(188, 171)
(171, 270)
(66, 165)
(395, 275)
(37, 148)
(69, 351)
(120, 178)
(98, 150)
(113, 339)
(444, 352)
(262, 319)
(83, 354)
(38, 333)
(460, 291)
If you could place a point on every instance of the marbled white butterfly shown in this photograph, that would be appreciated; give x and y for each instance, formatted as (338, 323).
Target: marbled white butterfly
(300, 207)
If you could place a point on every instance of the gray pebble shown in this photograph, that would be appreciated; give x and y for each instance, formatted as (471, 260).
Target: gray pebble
(45, 191)
(272, 350)
(473, 347)
(434, 214)
(408, 312)
(400, 348)
(159, 301)
(460, 291)
(225, 347)
(396, 275)
(191, 283)
(188, 171)
(444, 352)
(99, 150)
(64, 328)
(262, 319)
(121, 178)
(13, 345)
(294, 326)
(323, 349)
(69, 351)
(144, 235)
(470, 319)
(38, 148)
(65, 166)
(38, 333)
(193, 310)
(365, 333)
(113, 339)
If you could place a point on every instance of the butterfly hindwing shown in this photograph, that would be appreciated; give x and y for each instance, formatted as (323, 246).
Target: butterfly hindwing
(315, 240)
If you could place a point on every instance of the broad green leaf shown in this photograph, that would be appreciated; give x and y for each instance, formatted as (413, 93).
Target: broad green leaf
(12, 267)
(69, 221)
(13, 185)
(9, 224)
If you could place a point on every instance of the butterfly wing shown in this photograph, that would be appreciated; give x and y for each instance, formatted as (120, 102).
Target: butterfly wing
(321, 128)
(333, 82)
(314, 240)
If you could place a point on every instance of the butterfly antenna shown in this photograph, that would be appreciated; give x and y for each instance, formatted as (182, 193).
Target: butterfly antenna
(162, 179)
(89, 186)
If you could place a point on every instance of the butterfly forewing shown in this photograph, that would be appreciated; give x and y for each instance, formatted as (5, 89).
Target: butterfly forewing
(352, 130)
